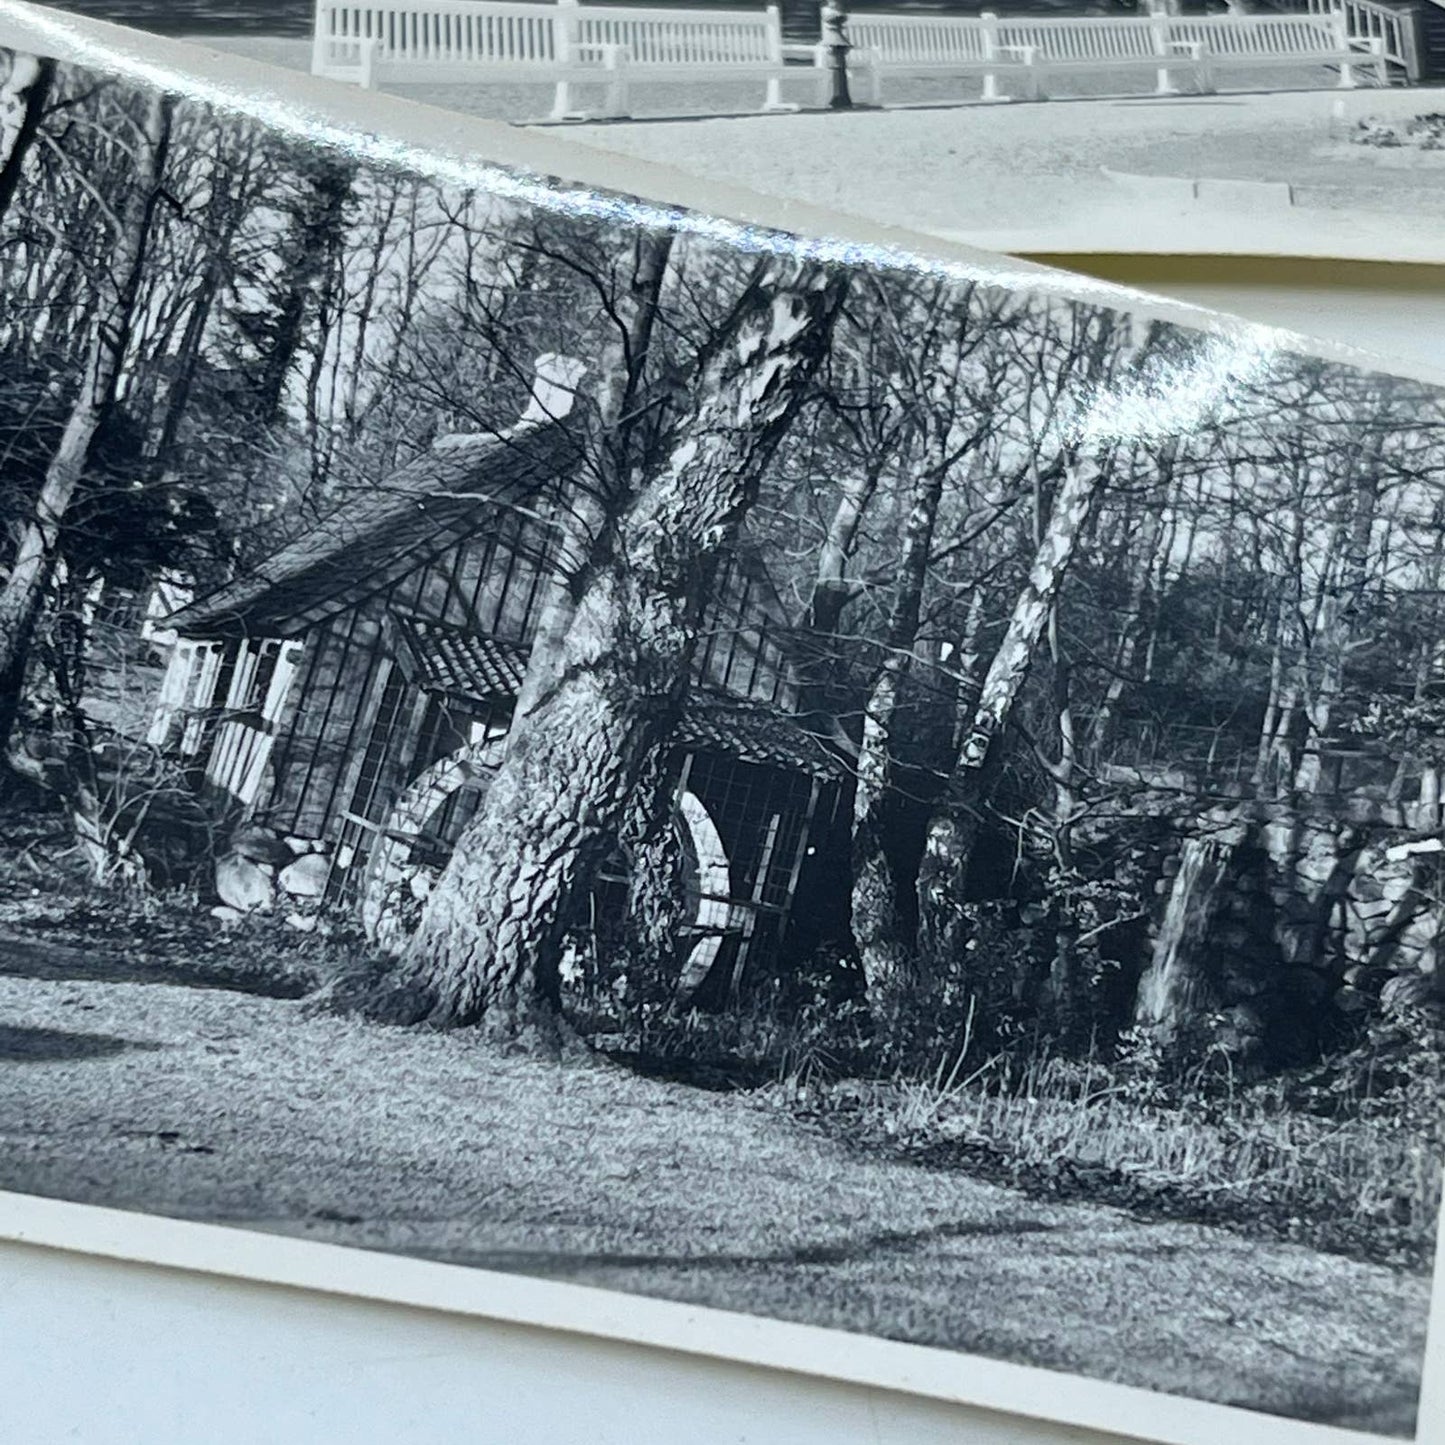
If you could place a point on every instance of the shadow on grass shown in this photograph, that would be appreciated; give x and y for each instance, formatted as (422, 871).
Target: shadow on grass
(824, 1253)
(44, 1046)
(50, 962)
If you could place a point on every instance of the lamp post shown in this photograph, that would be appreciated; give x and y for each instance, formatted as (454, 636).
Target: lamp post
(835, 37)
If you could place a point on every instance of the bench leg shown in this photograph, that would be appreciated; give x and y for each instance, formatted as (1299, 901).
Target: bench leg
(991, 92)
(1164, 82)
(773, 102)
(562, 101)
(618, 104)
(1347, 76)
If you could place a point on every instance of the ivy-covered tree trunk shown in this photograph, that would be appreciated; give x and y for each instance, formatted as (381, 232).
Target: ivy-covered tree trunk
(116, 285)
(232, 192)
(487, 947)
(651, 849)
(308, 254)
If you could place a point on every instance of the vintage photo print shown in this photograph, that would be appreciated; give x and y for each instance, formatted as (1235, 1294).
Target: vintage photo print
(1252, 127)
(575, 740)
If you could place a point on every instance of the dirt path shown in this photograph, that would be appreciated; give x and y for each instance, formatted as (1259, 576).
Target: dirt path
(244, 1110)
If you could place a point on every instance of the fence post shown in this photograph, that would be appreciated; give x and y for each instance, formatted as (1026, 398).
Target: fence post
(321, 28)
(564, 51)
(773, 100)
(615, 61)
(1341, 28)
(1159, 34)
(988, 26)
(835, 42)
(1410, 27)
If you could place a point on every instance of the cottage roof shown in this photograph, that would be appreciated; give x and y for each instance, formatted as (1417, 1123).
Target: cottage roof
(466, 668)
(418, 512)
(456, 663)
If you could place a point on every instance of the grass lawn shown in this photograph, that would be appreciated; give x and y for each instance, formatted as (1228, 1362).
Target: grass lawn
(204, 1103)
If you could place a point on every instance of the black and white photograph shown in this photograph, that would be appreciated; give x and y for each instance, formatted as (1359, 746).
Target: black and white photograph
(547, 734)
(1039, 127)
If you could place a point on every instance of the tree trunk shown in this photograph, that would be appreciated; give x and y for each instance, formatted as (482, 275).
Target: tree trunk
(953, 831)
(826, 690)
(620, 377)
(656, 900)
(1065, 985)
(1137, 616)
(1339, 607)
(117, 285)
(312, 248)
(1272, 766)
(878, 930)
(23, 97)
(487, 946)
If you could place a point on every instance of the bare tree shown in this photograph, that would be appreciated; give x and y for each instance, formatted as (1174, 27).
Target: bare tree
(116, 286)
(487, 946)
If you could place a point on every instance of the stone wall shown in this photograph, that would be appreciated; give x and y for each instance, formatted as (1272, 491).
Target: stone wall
(1315, 920)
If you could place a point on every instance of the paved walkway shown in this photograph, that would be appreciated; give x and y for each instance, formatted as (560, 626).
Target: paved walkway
(1091, 174)
(244, 1110)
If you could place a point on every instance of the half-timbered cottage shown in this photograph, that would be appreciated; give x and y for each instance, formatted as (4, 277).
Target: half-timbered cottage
(355, 689)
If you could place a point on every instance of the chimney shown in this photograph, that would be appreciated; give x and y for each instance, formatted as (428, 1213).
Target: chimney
(554, 387)
(554, 393)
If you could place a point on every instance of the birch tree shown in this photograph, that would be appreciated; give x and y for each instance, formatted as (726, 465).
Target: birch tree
(24, 93)
(954, 828)
(116, 285)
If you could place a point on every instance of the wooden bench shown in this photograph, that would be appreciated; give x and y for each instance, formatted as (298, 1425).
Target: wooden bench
(913, 46)
(1087, 45)
(1275, 41)
(568, 44)
(563, 45)
(1171, 48)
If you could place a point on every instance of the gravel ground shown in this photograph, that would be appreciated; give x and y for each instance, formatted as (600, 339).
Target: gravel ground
(250, 1111)
(1036, 177)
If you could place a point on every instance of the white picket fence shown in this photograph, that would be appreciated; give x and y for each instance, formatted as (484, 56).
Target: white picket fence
(565, 45)
(568, 44)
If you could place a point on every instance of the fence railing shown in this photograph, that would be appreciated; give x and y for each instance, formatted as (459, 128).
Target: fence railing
(1365, 20)
(1079, 41)
(918, 39)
